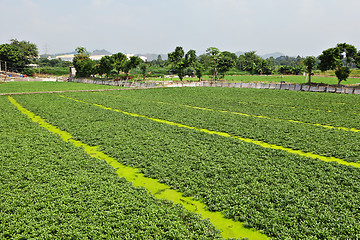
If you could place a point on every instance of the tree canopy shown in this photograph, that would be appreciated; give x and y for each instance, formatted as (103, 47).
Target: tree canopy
(180, 61)
(82, 63)
(310, 63)
(340, 59)
(18, 54)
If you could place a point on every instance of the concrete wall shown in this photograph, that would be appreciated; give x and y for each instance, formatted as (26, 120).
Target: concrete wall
(280, 86)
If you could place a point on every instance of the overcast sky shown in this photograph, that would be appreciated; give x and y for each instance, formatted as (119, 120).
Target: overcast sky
(293, 27)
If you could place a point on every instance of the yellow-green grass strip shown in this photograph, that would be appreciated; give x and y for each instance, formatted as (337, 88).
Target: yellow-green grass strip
(258, 116)
(278, 119)
(228, 227)
(224, 134)
(311, 109)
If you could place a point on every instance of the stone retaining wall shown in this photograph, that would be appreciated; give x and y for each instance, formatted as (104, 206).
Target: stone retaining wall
(280, 86)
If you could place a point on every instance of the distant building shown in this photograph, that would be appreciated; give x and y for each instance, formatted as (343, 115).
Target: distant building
(97, 57)
(66, 57)
(143, 58)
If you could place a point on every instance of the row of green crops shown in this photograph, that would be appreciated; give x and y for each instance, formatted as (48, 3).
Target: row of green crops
(53, 190)
(297, 136)
(282, 194)
(310, 107)
(16, 87)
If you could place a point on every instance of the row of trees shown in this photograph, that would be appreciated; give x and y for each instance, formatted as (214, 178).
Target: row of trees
(341, 58)
(109, 65)
(17, 55)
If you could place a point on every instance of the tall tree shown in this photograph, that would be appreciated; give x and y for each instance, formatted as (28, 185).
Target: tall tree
(310, 63)
(199, 70)
(143, 68)
(340, 59)
(249, 61)
(106, 65)
(119, 61)
(180, 61)
(214, 54)
(224, 64)
(82, 63)
(18, 54)
(358, 59)
(133, 62)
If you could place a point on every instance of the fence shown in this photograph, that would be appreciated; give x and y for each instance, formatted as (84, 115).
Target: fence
(279, 86)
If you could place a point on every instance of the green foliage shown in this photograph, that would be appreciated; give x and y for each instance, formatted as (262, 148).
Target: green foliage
(281, 193)
(56, 71)
(18, 54)
(83, 64)
(28, 71)
(199, 70)
(310, 63)
(35, 86)
(44, 62)
(342, 73)
(224, 63)
(106, 65)
(143, 68)
(214, 54)
(181, 61)
(51, 189)
(254, 64)
(133, 62)
(340, 59)
(119, 61)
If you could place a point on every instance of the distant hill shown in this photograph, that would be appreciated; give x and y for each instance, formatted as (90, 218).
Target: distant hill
(153, 56)
(274, 55)
(100, 52)
(238, 53)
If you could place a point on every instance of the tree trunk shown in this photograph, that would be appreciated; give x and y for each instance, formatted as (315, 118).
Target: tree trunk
(339, 82)
(309, 82)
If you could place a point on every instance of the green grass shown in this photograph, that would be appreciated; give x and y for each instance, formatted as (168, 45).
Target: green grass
(16, 87)
(277, 78)
(283, 194)
(51, 189)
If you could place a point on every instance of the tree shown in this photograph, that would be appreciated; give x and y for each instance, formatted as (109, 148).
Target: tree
(224, 63)
(119, 61)
(82, 63)
(199, 69)
(18, 54)
(358, 60)
(106, 65)
(214, 54)
(263, 67)
(143, 67)
(310, 63)
(340, 59)
(27, 48)
(133, 62)
(249, 61)
(180, 62)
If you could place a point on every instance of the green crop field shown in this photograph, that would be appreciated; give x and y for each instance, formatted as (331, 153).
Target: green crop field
(331, 80)
(17, 87)
(282, 164)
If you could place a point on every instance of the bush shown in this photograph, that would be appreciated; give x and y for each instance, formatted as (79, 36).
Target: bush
(28, 71)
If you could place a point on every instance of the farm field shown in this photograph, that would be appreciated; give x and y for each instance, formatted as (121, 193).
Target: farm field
(277, 78)
(281, 162)
(51, 189)
(16, 87)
